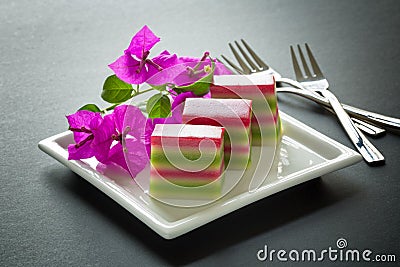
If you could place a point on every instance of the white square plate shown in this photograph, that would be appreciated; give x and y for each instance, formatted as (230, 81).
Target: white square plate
(304, 154)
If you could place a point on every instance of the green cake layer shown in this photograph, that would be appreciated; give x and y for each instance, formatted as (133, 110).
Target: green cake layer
(178, 168)
(161, 189)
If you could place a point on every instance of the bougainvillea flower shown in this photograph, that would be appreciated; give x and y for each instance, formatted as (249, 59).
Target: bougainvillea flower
(167, 62)
(134, 66)
(188, 70)
(88, 133)
(169, 74)
(104, 138)
(127, 69)
(117, 138)
(142, 42)
(220, 68)
(129, 152)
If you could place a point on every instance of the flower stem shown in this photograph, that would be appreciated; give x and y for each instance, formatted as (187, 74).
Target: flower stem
(142, 92)
(172, 92)
(136, 93)
(109, 108)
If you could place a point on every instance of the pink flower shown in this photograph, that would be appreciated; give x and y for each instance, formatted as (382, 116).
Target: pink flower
(220, 68)
(90, 136)
(129, 152)
(117, 138)
(186, 71)
(142, 42)
(134, 66)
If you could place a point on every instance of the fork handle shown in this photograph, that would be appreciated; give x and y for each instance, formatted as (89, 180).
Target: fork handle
(379, 119)
(370, 153)
(390, 122)
(365, 126)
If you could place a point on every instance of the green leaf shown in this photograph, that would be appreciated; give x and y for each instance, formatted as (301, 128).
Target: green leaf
(160, 88)
(158, 106)
(115, 90)
(200, 87)
(90, 107)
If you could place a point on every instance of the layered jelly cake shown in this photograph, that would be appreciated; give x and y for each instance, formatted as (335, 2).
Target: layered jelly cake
(261, 89)
(232, 114)
(186, 161)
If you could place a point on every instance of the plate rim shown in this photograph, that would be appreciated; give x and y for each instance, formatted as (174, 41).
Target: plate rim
(170, 230)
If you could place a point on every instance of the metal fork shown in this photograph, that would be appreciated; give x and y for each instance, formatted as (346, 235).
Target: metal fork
(317, 82)
(258, 65)
(263, 67)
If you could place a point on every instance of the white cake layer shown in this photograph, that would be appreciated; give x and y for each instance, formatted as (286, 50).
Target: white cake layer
(217, 108)
(259, 78)
(187, 130)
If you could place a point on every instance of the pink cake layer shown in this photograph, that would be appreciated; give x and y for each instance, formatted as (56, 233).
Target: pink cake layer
(176, 173)
(182, 181)
(186, 178)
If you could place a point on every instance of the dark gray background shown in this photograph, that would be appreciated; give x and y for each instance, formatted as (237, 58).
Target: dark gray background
(54, 59)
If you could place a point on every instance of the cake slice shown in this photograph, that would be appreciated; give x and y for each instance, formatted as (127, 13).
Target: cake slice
(234, 115)
(260, 88)
(187, 161)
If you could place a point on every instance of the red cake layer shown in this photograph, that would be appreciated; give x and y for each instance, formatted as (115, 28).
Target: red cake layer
(176, 174)
(239, 91)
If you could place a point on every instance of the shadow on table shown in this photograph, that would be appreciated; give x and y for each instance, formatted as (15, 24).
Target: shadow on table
(255, 219)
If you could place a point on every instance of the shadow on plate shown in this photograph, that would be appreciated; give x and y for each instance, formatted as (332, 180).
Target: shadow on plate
(259, 217)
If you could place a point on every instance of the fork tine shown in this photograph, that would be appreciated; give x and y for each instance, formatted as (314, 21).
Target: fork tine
(233, 65)
(245, 68)
(230, 63)
(303, 60)
(246, 57)
(256, 58)
(314, 63)
(296, 67)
